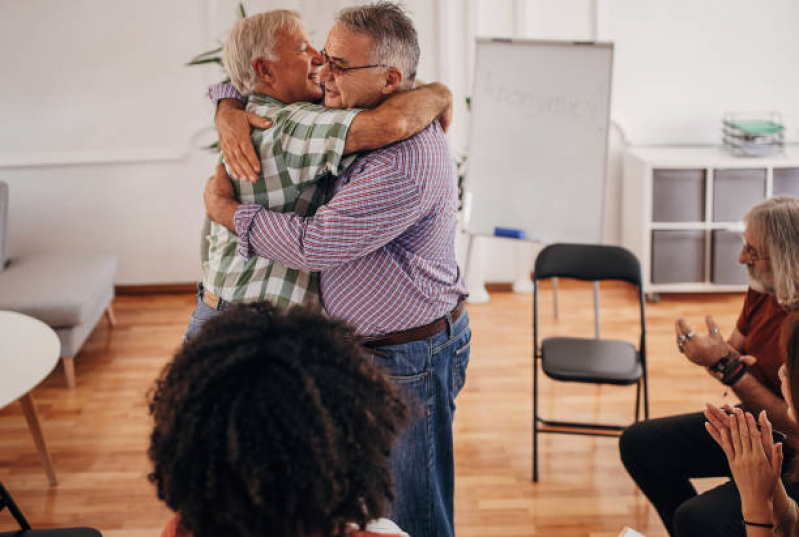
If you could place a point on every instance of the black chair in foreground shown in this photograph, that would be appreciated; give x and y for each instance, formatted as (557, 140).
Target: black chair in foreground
(587, 360)
(25, 529)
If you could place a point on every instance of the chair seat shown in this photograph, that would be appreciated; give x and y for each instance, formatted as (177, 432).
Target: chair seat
(600, 361)
(60, 289)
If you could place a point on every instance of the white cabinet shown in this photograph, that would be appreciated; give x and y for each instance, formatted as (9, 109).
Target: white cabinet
(682, 212)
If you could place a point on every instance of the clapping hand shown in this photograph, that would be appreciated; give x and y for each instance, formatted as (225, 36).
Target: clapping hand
(754, 459)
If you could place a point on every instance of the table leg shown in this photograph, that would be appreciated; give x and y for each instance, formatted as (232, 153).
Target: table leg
(38, 438)
(109, 313)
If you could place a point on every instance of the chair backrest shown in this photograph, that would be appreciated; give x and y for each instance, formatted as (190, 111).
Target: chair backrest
(3, 225)
(590, 262)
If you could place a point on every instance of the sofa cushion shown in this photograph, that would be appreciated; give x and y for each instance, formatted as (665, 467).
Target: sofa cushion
(60, 289)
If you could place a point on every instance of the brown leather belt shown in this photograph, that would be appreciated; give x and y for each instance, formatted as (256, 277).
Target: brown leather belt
(414, 334)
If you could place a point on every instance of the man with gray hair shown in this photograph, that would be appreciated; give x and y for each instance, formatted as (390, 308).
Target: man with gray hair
(662, 454)
(384, 244)
(270, 60)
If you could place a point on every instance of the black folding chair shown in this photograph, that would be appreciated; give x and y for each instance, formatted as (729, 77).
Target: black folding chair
(587, 360)
(25, 529)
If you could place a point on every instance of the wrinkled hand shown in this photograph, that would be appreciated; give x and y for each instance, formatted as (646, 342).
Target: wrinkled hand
(234, 125)
(754, 459)
(220, 198)
(704, 350)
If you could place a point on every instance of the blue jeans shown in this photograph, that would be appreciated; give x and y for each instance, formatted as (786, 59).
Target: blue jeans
(429, 373)
(202, 313)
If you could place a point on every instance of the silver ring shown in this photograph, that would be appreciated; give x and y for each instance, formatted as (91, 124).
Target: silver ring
(714, 331)
(690, 334)
(681, 338)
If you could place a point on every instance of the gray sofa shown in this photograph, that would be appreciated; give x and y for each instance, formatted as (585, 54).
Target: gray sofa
(69, 292)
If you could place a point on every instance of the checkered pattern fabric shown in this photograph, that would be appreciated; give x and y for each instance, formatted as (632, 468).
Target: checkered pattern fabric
(304, 146)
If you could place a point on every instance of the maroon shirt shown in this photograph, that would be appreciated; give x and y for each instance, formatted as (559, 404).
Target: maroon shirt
(760, 323)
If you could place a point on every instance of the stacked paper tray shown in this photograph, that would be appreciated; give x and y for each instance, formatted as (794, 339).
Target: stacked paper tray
(747, 135)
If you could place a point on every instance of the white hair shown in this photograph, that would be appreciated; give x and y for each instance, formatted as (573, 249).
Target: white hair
(251, 38)
(775, 223)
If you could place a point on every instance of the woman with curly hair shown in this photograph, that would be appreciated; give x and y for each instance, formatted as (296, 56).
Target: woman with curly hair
(274, 423)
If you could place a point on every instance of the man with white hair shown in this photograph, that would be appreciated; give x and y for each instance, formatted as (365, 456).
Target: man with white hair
(662, 454)
(270, 60)
(385, 245)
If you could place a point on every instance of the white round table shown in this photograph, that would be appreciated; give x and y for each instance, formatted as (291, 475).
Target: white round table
(29, 351)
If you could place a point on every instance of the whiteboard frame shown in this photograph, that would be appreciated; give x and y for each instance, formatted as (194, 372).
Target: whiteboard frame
(604, 180)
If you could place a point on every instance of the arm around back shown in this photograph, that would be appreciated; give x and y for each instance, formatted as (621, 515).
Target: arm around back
(399, 117)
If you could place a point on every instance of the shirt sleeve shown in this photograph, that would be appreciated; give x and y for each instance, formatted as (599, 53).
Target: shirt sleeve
(307, 141)
(217, 92)
(364, 215)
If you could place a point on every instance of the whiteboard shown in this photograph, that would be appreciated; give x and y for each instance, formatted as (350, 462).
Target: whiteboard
(539, 138)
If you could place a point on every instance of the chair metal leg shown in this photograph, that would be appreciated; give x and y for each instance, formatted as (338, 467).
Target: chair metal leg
(637, 400)
(646, 395)
(38, 437)
(535, 419)
(7, 501)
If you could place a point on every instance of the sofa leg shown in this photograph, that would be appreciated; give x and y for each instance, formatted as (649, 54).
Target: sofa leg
(109, 313)
(69, 370)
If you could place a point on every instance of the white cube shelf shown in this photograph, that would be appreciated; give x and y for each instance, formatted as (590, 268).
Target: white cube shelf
(700, 191)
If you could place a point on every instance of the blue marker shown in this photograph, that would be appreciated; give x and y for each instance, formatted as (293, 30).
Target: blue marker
(509, 232)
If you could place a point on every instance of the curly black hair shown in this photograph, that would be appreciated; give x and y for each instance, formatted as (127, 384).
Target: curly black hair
(273, 422)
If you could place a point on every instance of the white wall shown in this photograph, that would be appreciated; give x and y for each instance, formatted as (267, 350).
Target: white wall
(102, 127)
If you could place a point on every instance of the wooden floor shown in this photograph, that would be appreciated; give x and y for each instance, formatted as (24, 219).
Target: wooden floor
(98, 433)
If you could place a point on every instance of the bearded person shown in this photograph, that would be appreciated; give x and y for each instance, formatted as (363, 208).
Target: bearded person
(661, 455)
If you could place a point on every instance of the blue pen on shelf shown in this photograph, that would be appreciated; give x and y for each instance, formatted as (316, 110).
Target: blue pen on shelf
(509, 232)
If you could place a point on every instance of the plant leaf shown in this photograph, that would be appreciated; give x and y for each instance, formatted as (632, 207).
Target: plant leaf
(241, 10)
(204, 61)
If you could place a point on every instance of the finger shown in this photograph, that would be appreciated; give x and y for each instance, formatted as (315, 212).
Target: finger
(748, 360)
(728, 408)
(726, 444)
(776, 459)
(714, 432)
(716, 416)
(681, 326)
(765, 434)
(258, 121)
(735, 435)
(233, 165)
(251, 162)
(753, 436)
(711, 325)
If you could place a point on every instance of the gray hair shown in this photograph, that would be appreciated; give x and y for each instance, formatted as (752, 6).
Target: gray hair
(251, 38)
(396, 42)
(775, 222)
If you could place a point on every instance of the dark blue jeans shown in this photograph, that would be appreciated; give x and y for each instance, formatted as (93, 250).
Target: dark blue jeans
(429, 373)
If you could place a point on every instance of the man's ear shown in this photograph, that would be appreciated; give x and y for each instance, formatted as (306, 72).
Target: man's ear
(263, 70)
(392, 81)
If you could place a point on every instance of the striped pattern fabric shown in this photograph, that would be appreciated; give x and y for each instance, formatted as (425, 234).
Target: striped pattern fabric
(384, 243)
(305, 145)
(217, 92)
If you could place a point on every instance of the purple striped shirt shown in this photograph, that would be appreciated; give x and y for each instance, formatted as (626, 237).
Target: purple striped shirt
(384, 243)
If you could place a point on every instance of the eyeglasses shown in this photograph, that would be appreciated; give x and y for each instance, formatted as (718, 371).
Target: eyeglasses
(751, 252)
(337, 69)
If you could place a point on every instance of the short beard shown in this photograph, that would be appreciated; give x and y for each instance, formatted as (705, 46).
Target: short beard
(756, 283)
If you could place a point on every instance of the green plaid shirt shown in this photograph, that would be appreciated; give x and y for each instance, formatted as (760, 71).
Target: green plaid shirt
(305, 144)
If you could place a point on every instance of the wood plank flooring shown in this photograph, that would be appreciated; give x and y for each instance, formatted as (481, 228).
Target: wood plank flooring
(98, 433)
